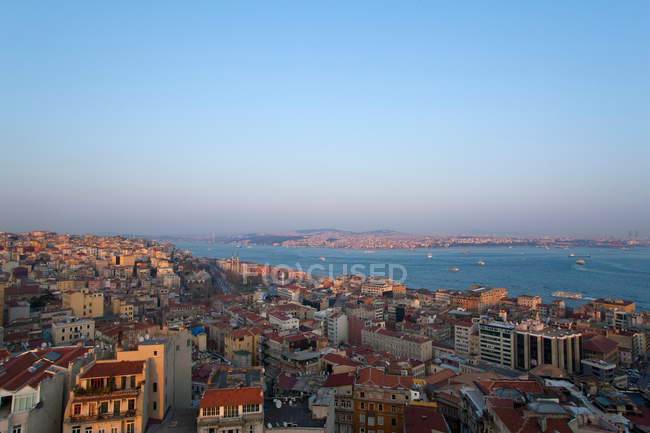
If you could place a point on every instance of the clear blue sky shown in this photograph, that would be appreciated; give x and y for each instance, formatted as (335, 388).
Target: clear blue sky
(428, 117)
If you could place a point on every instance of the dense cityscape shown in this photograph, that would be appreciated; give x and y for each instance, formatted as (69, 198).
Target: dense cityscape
(112, 334)
(386, 239)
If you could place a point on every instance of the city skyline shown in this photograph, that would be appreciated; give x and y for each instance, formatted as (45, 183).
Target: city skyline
(417, 117)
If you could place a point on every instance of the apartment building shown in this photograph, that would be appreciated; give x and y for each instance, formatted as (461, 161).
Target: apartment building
(337, 328)
(122, 308)
(530, 301)
(466, 339)
(399, 344)
(379, 401)
(67, 332)
(170, 377)
(33, 387)
(231, 410)
(479, 299)
(109, 396)
(497, 340)
(84, 304)
(246, 340)
(343, 384)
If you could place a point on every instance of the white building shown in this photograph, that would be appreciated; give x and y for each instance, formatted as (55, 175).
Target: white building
(337, 328)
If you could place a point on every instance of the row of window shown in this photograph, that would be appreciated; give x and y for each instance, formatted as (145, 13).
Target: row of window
(380, 407)
(230, 411)
(130, 428)
(103, 407)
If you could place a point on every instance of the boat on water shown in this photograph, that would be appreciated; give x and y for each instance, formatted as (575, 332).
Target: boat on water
(369, 252)
(322, 259)
(571, 255)
(567, 295)
(453, 269)
(467, 252)
(580, 262)
(480, 263)
(429, 255)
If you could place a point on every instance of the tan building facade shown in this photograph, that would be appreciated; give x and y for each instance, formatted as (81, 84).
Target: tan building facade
(84, 304)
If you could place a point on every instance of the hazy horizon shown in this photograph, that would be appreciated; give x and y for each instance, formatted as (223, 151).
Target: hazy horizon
(425, 118)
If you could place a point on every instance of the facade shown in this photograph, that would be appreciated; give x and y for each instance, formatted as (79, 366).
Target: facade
(614, 304)
(343, 384)
(537, 345)
(246, 340)
(530, 301)
(497, 341)
(479, 299)
(284, 321)
(33, 386)
(84, 304)
(68, 332)
(170, 376)
(399, 344)
(110, 396)
(122, 308)
(379, 401)
(604, 371)
(231, 410)
(337, 328)
(464, 344)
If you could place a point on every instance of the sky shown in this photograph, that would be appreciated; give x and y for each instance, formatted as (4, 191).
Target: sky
(417, 116)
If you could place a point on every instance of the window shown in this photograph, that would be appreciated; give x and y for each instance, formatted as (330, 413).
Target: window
(131, 404)
(92, 408)
(393, 396)
(155, 405)
(16, 429)
(130, 427)
(114, 429)
(89, 429)
(248, 408)
(155, 353)
(103, 407)
(381, 408)
(251, 428)
(97, 383)
(123, 382)
(362, 418)
(116, 407)
(371, 421)
(362, 430)
(363, 405)
(155, 387)
(230, 411)
(210, 411)
(380, 420)
(132, 381)
(393, 421)
(76, 409)
(362, 394)
(76, 429)
(393, 409)
(100, 430)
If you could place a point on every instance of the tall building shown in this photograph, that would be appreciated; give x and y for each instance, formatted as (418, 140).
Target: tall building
(537, 344)
(84, 304)
(110, 396)
(337, 328)
(231, 410)
(379, 401)
(68, 332)
(399, 344)
(247, 340)
(170, 378)
(497, 341)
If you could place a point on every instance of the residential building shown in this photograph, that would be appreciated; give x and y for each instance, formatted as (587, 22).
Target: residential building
(397, 343)
(530, 301)
(170, 376)
(109, 396)
(246, 340)
(337, 328)
(604, 371)
(84, 304)
(231, 410)
(68, 332)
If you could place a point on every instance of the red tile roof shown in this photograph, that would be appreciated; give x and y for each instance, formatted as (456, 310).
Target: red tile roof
(114, 368)
(232, 396)
(424, 420)
(340, 379)
(599, 344)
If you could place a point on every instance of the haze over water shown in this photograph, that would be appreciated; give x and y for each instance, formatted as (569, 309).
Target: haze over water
(607, 273)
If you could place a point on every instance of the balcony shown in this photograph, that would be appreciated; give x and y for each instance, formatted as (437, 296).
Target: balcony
(231, 421)
(84, 394)
(106, 416)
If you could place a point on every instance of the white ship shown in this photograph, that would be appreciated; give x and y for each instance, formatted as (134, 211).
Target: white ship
(567, 295)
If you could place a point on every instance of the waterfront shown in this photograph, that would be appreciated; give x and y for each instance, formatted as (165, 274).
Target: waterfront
(607, 272)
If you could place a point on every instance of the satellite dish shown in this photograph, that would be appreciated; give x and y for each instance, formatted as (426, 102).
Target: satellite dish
(269, 425)
(141, 339)
(278, 404)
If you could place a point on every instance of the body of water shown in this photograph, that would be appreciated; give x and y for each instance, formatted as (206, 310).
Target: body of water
(606, 273)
